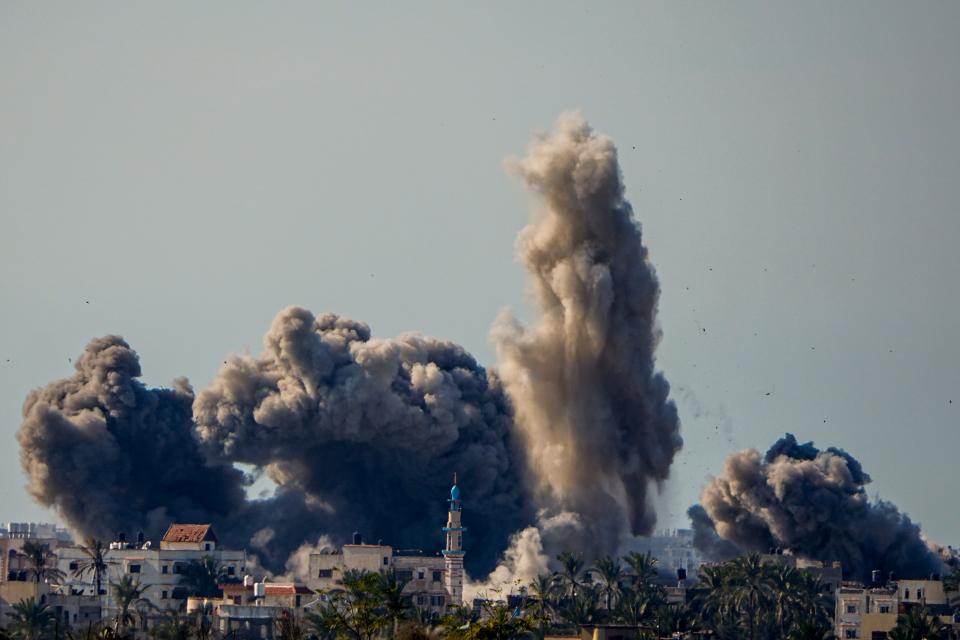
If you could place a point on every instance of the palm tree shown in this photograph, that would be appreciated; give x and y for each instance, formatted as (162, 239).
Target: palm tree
(671, 618)
(581, 610)
(713, 601)
(918, 624)
(643, 566)
(752, 591)
(810, 630)
(542, 590)
(389, 591)
(571, 566)
(43, 563)
(609, 572)
(204, 576)
(287, 627)
(128, 594)
(636, 606)
(357, 605)
(498, 624)
(95, 564)
(786, 598)
(323, 621)
(172, 627)
(30, 619)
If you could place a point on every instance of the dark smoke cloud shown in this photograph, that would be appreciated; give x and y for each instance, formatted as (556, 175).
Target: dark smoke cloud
(813, 503)
(561, 447)
(110, 454)
(371, 431)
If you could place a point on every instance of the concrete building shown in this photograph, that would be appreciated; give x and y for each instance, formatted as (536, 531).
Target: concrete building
(253, 607)
(159, 568)
(830, 574)
(44, 531)
(871, 611)
(433, 582)
(673, 549)
(13, 535)
(69, 610)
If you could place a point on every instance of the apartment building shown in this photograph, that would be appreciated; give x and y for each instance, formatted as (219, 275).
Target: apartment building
(159, 568)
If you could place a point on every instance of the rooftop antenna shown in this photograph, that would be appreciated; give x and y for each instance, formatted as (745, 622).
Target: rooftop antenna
(454, 477)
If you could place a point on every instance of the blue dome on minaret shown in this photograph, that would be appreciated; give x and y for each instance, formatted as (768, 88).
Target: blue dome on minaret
(454, 492)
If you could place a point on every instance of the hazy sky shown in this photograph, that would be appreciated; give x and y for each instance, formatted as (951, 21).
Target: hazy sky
(178, 173)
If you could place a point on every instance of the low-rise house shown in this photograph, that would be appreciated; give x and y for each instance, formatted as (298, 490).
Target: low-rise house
(253, 607)
(424, 575)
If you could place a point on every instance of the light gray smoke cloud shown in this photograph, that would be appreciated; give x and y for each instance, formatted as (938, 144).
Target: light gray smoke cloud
(595, 416)
(364, 434)
(813, 503)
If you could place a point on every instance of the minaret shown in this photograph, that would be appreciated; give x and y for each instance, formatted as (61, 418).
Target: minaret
(453, 554)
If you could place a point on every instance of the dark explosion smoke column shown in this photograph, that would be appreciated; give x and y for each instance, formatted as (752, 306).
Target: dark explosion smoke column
(812, 502)
(365, 433)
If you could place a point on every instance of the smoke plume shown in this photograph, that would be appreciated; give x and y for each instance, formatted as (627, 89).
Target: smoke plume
(559, 447)
(813, 503)
(110, 454)
(594, 415)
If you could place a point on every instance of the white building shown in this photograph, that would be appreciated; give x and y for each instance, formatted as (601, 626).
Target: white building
(160, 568)
(44, 531)
(433, 582)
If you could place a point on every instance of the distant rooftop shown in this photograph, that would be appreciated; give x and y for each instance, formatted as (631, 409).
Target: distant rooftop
(190, 533)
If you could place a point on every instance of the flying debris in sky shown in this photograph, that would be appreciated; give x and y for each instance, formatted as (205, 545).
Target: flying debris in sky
(559, 446)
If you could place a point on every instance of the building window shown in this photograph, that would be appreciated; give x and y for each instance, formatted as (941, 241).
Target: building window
(850, 633)
(298, 601)
(164, 569)
(231, 570)
(206, 546)
(437, 576)
(436, 601)
(404, 576)
(884, 608)
(906, 594)
(133, 568)
(878, 635)
(851, 608)
(74, 566)
(421, 600)
(325, 573)
(420, 574)
(386, 560)
(163, 595)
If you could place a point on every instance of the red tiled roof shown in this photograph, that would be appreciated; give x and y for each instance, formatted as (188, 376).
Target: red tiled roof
(286, 589)
(271, 589)
(190, 533)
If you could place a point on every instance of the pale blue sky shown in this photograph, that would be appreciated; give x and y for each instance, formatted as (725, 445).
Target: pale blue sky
(190, 170)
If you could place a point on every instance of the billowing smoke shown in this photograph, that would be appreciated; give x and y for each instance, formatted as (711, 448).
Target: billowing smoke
(595, 417)
(110, 454)
(813, 503)
(365, 434)
(358, 434)
(371, 431)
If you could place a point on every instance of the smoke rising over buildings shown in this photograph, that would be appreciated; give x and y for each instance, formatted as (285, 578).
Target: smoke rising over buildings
(365, 433)
(595, 417)
(813, 503)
